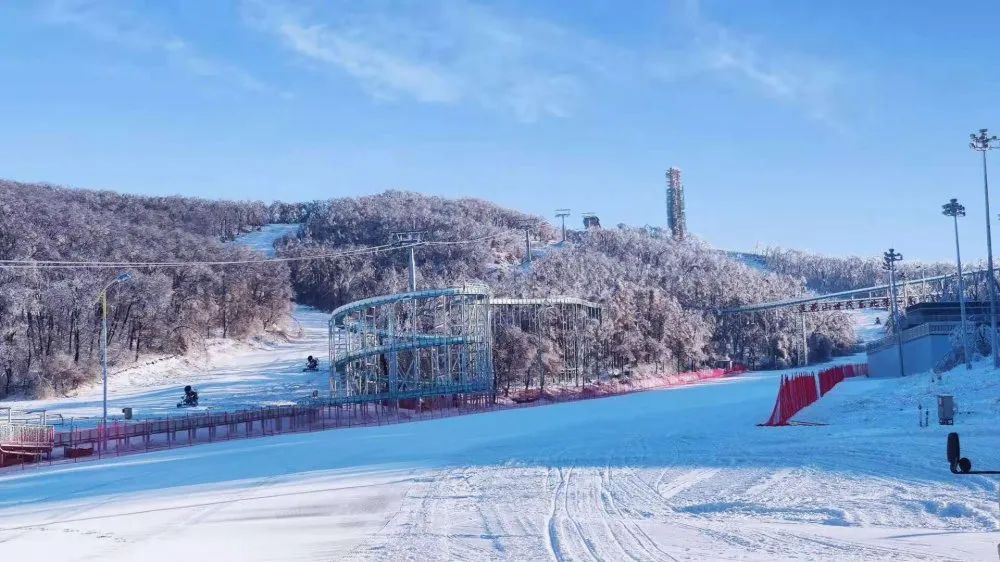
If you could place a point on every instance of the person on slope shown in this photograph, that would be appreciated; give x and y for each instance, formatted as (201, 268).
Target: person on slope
(312, 364)
(190, 397)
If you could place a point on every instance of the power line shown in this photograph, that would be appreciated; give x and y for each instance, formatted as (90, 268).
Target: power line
(66, 264)
(57, 264)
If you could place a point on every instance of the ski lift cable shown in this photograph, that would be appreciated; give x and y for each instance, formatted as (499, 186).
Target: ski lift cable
(65, 264)
(59, 264)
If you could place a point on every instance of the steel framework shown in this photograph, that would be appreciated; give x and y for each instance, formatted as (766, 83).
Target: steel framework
(412, 345)
(927, 289)
(564, 320)
(439, 342)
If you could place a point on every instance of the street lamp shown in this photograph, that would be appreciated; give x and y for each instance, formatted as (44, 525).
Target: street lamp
(120, 278)
(889, 260)
(981, 143)
(954, 210)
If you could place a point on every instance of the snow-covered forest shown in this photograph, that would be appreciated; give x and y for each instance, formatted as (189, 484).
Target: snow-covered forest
(49, 318)
(661, 297)
(828, 274)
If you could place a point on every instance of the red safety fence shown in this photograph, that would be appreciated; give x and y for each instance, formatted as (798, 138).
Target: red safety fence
(736, 369)
(693, 376)
(834, 375)
(136, 436)
(563, 393)
(798, 391)
(794, 393)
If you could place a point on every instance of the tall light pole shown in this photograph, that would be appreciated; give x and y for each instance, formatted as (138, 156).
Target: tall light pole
(563, 213)
(120, 278)
(889, 260)
(981, 143)
(954, 210)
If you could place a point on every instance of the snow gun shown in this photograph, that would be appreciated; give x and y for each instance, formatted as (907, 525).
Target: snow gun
(960, 464)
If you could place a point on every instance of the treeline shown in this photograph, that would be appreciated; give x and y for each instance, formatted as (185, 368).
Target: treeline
(662, 300)
(49, 318)
(472, 240)
(829, 274)
(660, 297)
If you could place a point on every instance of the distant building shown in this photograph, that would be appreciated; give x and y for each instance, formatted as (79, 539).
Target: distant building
(925, 336)
(675, 204)
(591, 222)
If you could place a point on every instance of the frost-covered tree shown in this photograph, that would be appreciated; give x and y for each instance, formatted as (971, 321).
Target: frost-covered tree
(49, 318)
(661, 297)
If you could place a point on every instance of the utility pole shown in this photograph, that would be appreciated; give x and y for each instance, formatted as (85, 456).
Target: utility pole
(889, 260)
(103, 298)
(411, 239)
(954, 210)
(563, 213)
(981, 143)
(805, 342)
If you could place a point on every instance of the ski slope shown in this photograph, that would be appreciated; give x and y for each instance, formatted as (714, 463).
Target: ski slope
(228, 375)
(679, 474)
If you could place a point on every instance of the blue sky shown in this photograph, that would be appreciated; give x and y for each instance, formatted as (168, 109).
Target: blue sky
(838, 127)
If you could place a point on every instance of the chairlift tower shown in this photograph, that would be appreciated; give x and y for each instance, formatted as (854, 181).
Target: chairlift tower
(562, 214)
(527, 225)
(412, 239)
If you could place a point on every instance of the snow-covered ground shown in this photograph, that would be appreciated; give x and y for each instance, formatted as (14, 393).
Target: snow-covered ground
(680, 474)
(263, 240)
(677, 474)
(865, 326)
(228, 374)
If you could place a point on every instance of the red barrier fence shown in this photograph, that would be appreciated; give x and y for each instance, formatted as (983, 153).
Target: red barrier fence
(136, 436)
(562, 394)
(736, 369)
(834, 375)
(798, 391)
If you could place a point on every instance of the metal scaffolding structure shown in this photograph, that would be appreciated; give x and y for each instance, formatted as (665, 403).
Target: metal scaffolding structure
(565, 321)
(412, 345)
(439, 342)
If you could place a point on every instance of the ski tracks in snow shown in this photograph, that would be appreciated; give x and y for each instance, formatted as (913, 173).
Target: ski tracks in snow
(564, 510)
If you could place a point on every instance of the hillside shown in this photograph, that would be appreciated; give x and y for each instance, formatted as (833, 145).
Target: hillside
(660, 295)
(49, 319)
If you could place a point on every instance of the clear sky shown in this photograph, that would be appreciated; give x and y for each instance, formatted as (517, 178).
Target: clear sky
(838, 127)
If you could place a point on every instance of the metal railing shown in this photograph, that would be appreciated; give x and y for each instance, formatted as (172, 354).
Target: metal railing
(24, 438)
(126, 438)
(928, 329)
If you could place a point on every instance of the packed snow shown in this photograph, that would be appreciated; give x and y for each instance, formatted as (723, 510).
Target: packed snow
(228, 374)
(869, 324)
(263, 240)
(676, 474)
(680, 474)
